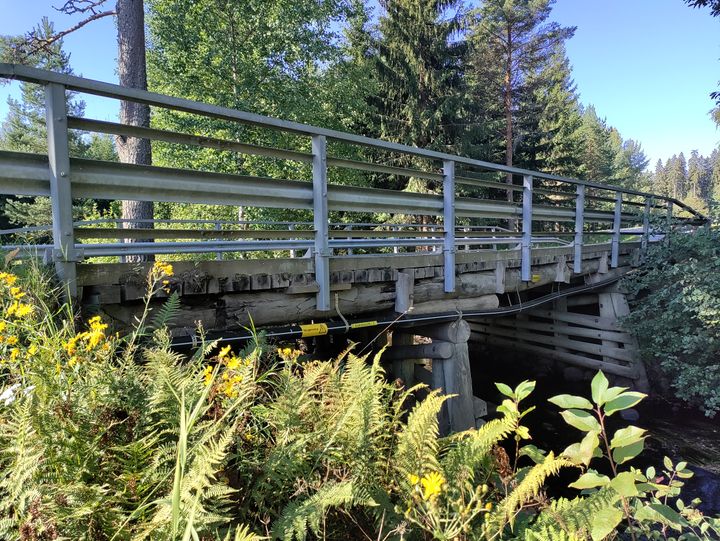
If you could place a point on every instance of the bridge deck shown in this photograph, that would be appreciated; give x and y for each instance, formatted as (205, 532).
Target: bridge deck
(441, 243)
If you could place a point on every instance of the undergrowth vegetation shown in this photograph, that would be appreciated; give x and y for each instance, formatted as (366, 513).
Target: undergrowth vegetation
(119, 438)
(676, 316)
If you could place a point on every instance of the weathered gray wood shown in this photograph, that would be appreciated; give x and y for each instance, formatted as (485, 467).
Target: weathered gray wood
(456, 332)
(614, 304)
(457, 380)
(558, 328)
(404, 292)
(403, 368)
(607, 324)
(609, 353)
(500, 277)
(628, 372)
(436, 350)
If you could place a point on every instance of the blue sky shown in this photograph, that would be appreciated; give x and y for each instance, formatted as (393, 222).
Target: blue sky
(647, 66)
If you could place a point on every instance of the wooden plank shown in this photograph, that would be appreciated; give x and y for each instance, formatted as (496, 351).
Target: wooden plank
(585, 332)
(436, 350)
(596, 322)
(404, 287)
(556, 355)
(603, 349)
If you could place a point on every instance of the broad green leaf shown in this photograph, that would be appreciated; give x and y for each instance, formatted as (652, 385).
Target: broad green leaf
(508, 407)
(628, 452)
(623, 401)
(504, 389)
(591, 479)
(581, 419)
(604, 522)
(680, 465)
(535, 454)
(568, 401)
(524, 389)
(523, 433)
(598, 387)
(583, 452)
(624, 484)
(626, 436)
(657, 512)
(667, 463)
(613, 392)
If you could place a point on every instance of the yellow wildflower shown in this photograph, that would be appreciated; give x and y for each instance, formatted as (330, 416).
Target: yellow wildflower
(233, 363)
(32, 350)
(73, 361)
(12, 340)
(414, 479)
(22, 310)
(224, 352)
(3, 325)
(14, 352)
(160, 268)
(7, 278)
(207, 375)
(17, 293)
(432, 485)
(488, 506)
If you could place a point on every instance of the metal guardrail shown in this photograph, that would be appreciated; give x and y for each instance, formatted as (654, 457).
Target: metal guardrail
(460, 217)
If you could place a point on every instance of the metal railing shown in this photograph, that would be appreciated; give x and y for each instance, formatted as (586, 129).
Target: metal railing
(468, 211)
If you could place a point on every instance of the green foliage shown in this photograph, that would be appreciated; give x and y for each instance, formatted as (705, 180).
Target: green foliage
(104, 437)
(676, 316)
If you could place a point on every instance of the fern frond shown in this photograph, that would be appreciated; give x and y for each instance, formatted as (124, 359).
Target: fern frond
(166, 312)
(527, 490)
(299, 516)
(417, 445)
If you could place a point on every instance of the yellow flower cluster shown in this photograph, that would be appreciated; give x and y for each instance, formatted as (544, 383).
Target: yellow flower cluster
(432, 484)
(87, 341)
(7, 279)
(288, 354)
(161, 268)
(235, 372)
(19, 310)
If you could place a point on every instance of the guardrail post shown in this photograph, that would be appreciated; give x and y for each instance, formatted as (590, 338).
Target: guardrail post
(320, 221)
(646, 225)
(525, 252)
(218, 227)
(579, 228)
(64, 253)
(617, 220)
(449, 224)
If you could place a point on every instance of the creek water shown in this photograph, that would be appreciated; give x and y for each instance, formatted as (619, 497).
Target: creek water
(676, 432)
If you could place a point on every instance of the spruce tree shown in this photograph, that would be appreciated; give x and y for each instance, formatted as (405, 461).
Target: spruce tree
(23, 129)
(598, 155)
(419, 63)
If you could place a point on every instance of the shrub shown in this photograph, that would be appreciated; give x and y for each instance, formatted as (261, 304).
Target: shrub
(676, 316)
(109, 438)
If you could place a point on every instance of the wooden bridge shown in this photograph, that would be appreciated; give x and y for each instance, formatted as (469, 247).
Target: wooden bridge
(353, 257)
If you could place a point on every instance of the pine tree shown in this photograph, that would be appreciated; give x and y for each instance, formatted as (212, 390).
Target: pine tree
(520, 41)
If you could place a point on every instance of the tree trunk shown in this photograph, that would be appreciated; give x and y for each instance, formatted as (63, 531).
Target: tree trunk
(132, 73)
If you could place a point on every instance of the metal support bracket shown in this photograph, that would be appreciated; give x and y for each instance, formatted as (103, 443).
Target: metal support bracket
(615, 243)
(449, 225)
(525, 246)
(60, 187)
(321, 250)
(579, 228)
